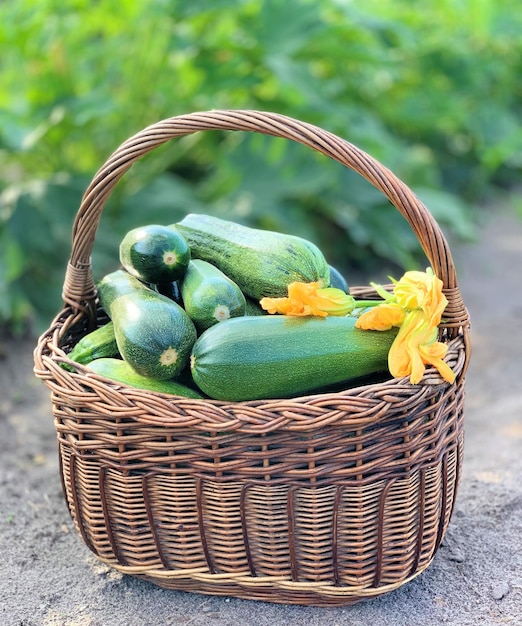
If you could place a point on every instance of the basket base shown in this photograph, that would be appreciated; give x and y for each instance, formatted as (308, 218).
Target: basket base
(157, 533)
(269, 589)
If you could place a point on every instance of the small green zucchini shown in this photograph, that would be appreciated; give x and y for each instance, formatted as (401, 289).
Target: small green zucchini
(337, 280)
(261, 262)
(170, 289)
(154, 253)
(95, 345)
(154, 334)
(209, 296)
(122, 372)
(274, 356)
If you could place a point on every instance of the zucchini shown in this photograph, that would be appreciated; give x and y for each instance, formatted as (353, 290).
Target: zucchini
(122, 372)
(155, 254)
(337, 280)
(95, 345)
(249, 358)
(209, 296)
(114, 285)
(170, 289)
(261, 262)
(254, 308)
(154, 334)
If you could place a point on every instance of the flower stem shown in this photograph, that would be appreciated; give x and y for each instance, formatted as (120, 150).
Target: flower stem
(361, 304)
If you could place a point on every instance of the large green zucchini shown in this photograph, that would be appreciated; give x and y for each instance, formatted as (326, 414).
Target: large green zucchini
(248, 358)
(261, 262)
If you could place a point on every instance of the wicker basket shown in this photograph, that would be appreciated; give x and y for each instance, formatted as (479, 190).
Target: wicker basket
(320, 500)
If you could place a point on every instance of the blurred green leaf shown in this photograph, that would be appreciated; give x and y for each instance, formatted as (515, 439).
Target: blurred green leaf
(449, 211)
(12, 260)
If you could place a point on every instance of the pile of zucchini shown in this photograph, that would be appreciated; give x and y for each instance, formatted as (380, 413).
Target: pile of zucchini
(185, 317)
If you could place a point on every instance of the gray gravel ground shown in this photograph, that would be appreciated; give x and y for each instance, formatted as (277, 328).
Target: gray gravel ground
(49, 578)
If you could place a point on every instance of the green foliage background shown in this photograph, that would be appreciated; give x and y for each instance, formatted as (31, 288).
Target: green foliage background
(431, 89)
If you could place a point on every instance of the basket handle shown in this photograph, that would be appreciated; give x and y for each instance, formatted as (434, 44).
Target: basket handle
(79, 290)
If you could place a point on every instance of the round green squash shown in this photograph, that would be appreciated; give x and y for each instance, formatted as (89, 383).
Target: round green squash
(155, 254)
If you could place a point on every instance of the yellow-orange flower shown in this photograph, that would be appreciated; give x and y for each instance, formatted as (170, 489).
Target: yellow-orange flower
(382, 317)
(310, 299)
(422, 290)
(416, 346)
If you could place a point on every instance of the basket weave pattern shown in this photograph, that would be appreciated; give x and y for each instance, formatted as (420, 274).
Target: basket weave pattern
(323, 500)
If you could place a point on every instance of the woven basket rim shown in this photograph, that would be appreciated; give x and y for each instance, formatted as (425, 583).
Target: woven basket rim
(302, 413)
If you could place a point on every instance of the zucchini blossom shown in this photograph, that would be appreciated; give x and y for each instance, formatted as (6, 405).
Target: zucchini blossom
(310, 299)
(416, 307)
(416, 346)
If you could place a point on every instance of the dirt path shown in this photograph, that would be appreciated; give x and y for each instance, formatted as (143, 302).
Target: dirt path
(49, 578)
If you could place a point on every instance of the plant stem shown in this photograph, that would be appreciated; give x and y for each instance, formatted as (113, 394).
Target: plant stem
(360, 304)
